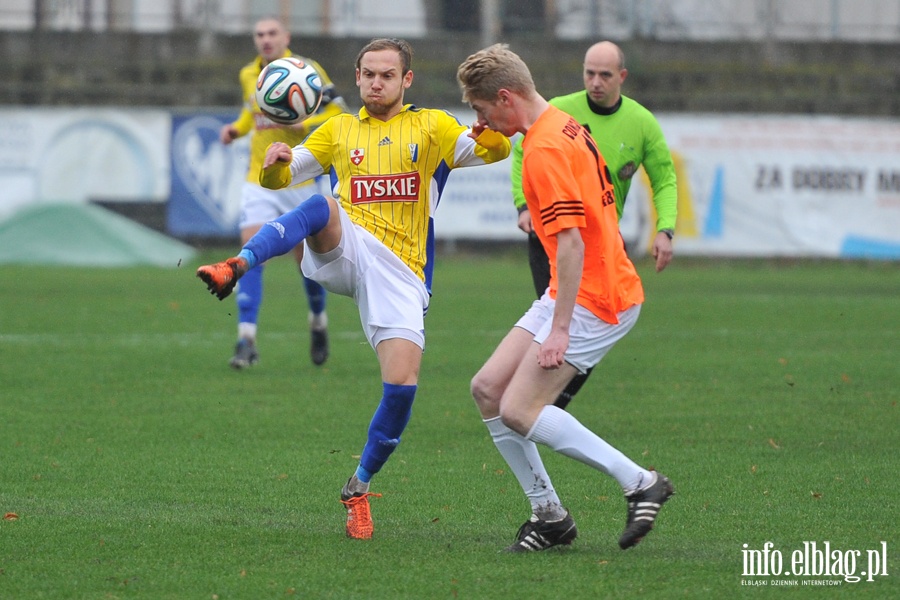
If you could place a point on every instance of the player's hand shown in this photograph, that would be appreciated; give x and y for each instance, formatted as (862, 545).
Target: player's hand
(525, 221)
(277, 152)
(228, 134)
(551, 354)
(478, 128)
(662, 251)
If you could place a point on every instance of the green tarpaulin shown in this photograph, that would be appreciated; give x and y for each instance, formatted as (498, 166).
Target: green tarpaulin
(85, 235)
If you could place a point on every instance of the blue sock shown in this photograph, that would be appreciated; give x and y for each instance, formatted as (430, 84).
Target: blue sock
(363, 475)
(387, 424)
(281, 235)
(315, 293)
(249, 295)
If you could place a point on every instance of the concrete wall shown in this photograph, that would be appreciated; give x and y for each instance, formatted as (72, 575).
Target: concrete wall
(186, 70)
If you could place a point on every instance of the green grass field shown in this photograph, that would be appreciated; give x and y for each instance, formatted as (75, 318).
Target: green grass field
(139, 465)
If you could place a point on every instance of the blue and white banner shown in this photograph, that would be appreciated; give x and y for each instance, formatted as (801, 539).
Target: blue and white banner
(206, 177)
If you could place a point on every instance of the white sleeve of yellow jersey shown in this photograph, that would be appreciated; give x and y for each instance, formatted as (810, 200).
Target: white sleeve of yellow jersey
(304, 166)
(465, 156)
(470, 153)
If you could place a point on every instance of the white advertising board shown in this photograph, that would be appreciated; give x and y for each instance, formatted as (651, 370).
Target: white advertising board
(786, 186)
(79, 155)
(748, 186)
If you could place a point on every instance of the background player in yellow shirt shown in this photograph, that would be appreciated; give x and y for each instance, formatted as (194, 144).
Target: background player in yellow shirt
(259, 204)
(374, 240)
(593, 300)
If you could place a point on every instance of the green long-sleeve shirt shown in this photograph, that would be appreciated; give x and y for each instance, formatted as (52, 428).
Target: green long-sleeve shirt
(628, 136)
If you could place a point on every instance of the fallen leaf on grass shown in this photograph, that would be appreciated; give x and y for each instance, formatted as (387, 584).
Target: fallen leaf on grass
(773, 444)
(816, 495)
(10, 516)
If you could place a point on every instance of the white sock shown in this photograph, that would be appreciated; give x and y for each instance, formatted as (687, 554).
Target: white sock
(319, 321)
(247, 331)
(525, 462)
(355, 486)
(562, 432)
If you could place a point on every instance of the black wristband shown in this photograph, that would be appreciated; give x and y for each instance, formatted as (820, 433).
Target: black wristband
(669, 233)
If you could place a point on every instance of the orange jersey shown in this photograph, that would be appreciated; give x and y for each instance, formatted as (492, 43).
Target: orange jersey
(567, 184)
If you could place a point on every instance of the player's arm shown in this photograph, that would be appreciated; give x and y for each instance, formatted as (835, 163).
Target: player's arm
(515, 175)
(660, 170)
(237, 128)
(467, 147)
(284, 166)
(569, 266)
(552, 181)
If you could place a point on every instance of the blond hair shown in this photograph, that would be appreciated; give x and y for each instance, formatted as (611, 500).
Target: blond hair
(485, 73)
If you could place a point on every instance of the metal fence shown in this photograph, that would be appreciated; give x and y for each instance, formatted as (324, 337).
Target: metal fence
(683, 20)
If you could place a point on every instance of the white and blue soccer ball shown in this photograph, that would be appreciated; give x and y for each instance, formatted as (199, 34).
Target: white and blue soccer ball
(288, 90)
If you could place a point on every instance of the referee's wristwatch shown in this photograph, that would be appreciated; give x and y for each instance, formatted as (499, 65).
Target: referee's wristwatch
(670, 233)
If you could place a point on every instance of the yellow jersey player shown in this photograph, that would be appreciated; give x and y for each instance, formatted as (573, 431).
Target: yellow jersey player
(373, 240)
(259, 204)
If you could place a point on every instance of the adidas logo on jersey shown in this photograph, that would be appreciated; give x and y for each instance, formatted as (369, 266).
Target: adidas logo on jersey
(385, 141)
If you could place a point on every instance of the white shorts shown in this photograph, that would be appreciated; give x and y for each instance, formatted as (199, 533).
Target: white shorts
(260, 205)
(590, 337)
(392, 300)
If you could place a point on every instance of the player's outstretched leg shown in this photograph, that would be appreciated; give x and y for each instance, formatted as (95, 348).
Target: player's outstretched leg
(221, 277)
(643, 507)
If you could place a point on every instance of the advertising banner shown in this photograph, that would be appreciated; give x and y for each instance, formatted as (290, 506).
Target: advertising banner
(50, 155)
(786, 186)
(753, 185)
(748, 185)
(206, 177)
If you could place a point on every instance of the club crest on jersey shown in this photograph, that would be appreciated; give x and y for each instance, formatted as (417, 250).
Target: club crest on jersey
(628, 170)
(357, 155)
(413, 152)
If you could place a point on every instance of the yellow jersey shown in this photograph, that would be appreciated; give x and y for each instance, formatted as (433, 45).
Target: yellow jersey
(389, 175)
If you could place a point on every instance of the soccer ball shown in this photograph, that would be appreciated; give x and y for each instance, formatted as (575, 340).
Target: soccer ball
(288, 90)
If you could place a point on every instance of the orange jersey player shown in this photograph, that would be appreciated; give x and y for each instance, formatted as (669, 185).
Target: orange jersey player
(593, 301)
